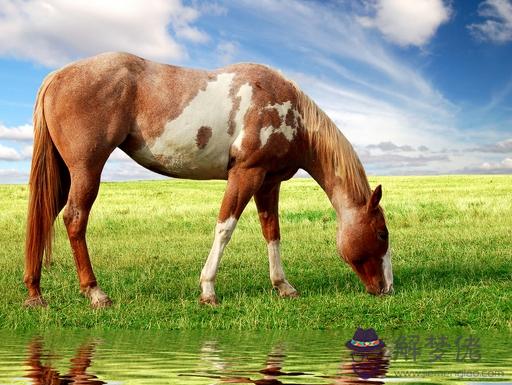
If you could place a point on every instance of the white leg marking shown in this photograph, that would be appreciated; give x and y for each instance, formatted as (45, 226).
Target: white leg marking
(98, 297)
(277, 276)
(223, 231)
(387, 268)
(274, 261)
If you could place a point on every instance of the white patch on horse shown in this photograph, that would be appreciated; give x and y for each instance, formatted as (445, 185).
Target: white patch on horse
(245, 95)
(288, 131)
(177, 148)
(223, 231)
(388, 272)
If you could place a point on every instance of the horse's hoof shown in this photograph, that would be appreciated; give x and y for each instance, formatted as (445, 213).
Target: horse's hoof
(289, 294)
(208, 300)
(101, 303)
(99, 299)
(35, 302)
(287, 291)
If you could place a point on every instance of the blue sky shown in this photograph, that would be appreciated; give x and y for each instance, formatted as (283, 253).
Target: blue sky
(418, 87)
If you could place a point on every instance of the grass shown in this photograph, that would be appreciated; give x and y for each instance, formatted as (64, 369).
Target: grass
(451, 238)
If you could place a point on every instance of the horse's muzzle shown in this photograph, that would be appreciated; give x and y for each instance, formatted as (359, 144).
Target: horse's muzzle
(388, 290)
(383, 291)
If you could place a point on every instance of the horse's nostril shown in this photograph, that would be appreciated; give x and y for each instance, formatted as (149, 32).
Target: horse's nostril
(389, 290)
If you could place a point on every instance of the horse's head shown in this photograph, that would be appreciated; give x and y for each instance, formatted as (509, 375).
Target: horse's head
(362, 241)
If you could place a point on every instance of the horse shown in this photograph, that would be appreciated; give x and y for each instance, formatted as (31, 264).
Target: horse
(244, 123)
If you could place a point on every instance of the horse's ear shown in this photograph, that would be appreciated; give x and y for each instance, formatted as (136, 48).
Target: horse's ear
(373, 203)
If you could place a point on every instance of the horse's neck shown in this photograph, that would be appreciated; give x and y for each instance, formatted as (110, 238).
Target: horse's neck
(326, 177)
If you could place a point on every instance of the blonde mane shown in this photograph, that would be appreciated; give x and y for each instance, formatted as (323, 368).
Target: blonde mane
(333, 150)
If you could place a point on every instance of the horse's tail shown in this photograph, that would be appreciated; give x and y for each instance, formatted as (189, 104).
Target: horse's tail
(49, 187)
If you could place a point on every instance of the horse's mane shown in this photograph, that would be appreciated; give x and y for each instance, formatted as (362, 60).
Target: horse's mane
(333, 149)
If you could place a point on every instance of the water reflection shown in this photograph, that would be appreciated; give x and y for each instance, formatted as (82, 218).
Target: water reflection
(268, 358)
(271, 371)
(364, 366)
(45, 374)
(361, 368)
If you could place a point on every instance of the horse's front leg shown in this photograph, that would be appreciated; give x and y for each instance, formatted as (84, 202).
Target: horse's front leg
(242, 184)
(267, 199)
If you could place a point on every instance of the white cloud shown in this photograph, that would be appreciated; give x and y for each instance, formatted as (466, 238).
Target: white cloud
(366, 120)
(226, 51)
(504, 164)
(9, 153)
(117, 171)
(210, 7)
(26, 152)
(390, 146)
(24, 132)
(13, 176)
(54, 32)
(119, 156)
(498, 24)
(407, 22)
(500, 167)
(401, 161)
(393, 136)
(181, 22)
(391, 158)
(504, 146)
(318, 32)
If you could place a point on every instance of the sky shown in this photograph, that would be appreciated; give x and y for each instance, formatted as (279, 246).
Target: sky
(418, 87)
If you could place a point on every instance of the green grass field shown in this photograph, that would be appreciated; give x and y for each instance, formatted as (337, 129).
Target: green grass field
(452, 255)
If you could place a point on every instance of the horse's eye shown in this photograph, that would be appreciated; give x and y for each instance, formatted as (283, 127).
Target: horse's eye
(383, 235)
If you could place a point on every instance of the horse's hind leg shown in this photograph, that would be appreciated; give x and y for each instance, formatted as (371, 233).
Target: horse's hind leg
(266, 200)
(84, 189)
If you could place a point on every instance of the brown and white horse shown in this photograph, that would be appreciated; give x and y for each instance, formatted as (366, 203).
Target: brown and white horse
(245, 123)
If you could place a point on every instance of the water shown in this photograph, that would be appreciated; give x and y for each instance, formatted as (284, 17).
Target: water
(264, 358)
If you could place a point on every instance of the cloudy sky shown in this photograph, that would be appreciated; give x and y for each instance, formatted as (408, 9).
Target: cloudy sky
(418, 87)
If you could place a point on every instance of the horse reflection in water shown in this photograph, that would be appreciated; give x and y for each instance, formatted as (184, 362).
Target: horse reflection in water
(361, 368)
(358, 368)
(46, 374)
